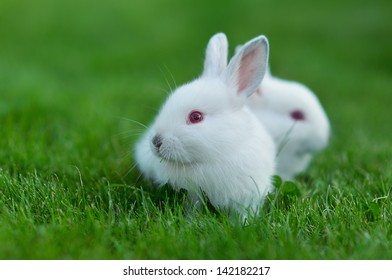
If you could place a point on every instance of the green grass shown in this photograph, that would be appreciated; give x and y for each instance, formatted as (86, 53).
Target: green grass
(73, 72)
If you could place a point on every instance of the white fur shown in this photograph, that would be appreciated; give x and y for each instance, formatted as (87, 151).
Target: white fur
(229, 156)
(296, 140)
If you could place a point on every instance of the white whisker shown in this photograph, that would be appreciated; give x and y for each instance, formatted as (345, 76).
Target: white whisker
(133, 166)
(166, 80)
(171, 75)
(133, 121)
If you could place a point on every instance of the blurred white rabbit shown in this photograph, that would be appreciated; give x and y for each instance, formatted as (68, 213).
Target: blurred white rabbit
(296, 120)
(206, 140)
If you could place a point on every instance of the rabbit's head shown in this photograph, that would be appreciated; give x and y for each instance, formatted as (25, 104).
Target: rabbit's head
(290, 109)
(207, 119)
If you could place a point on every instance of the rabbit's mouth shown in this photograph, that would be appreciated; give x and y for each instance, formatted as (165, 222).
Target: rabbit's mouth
(172, 156)
(170, 151)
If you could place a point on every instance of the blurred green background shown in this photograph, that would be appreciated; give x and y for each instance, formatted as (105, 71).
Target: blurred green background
(72, 71)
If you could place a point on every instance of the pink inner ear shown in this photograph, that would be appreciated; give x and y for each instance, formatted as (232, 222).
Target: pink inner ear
(297, 115)
(247, 70)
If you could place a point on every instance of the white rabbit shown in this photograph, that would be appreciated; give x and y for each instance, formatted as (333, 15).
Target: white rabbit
(207, 141)
(296, 120)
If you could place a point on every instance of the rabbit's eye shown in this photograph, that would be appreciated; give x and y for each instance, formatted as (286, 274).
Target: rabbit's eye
(195, 117)
(297, 115)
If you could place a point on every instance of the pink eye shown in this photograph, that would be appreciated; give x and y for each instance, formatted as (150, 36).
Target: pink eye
(195, 117)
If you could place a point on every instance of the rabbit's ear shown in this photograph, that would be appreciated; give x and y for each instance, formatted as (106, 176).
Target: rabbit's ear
(216, 55)
(247, 68)
(237, 48)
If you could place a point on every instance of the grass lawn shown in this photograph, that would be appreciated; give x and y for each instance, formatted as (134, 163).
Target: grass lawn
(73, 74)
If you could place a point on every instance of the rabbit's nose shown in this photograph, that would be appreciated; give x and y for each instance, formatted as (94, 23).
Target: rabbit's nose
(157, 141)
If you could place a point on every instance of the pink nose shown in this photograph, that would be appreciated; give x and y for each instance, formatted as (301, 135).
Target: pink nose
(297, 115)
